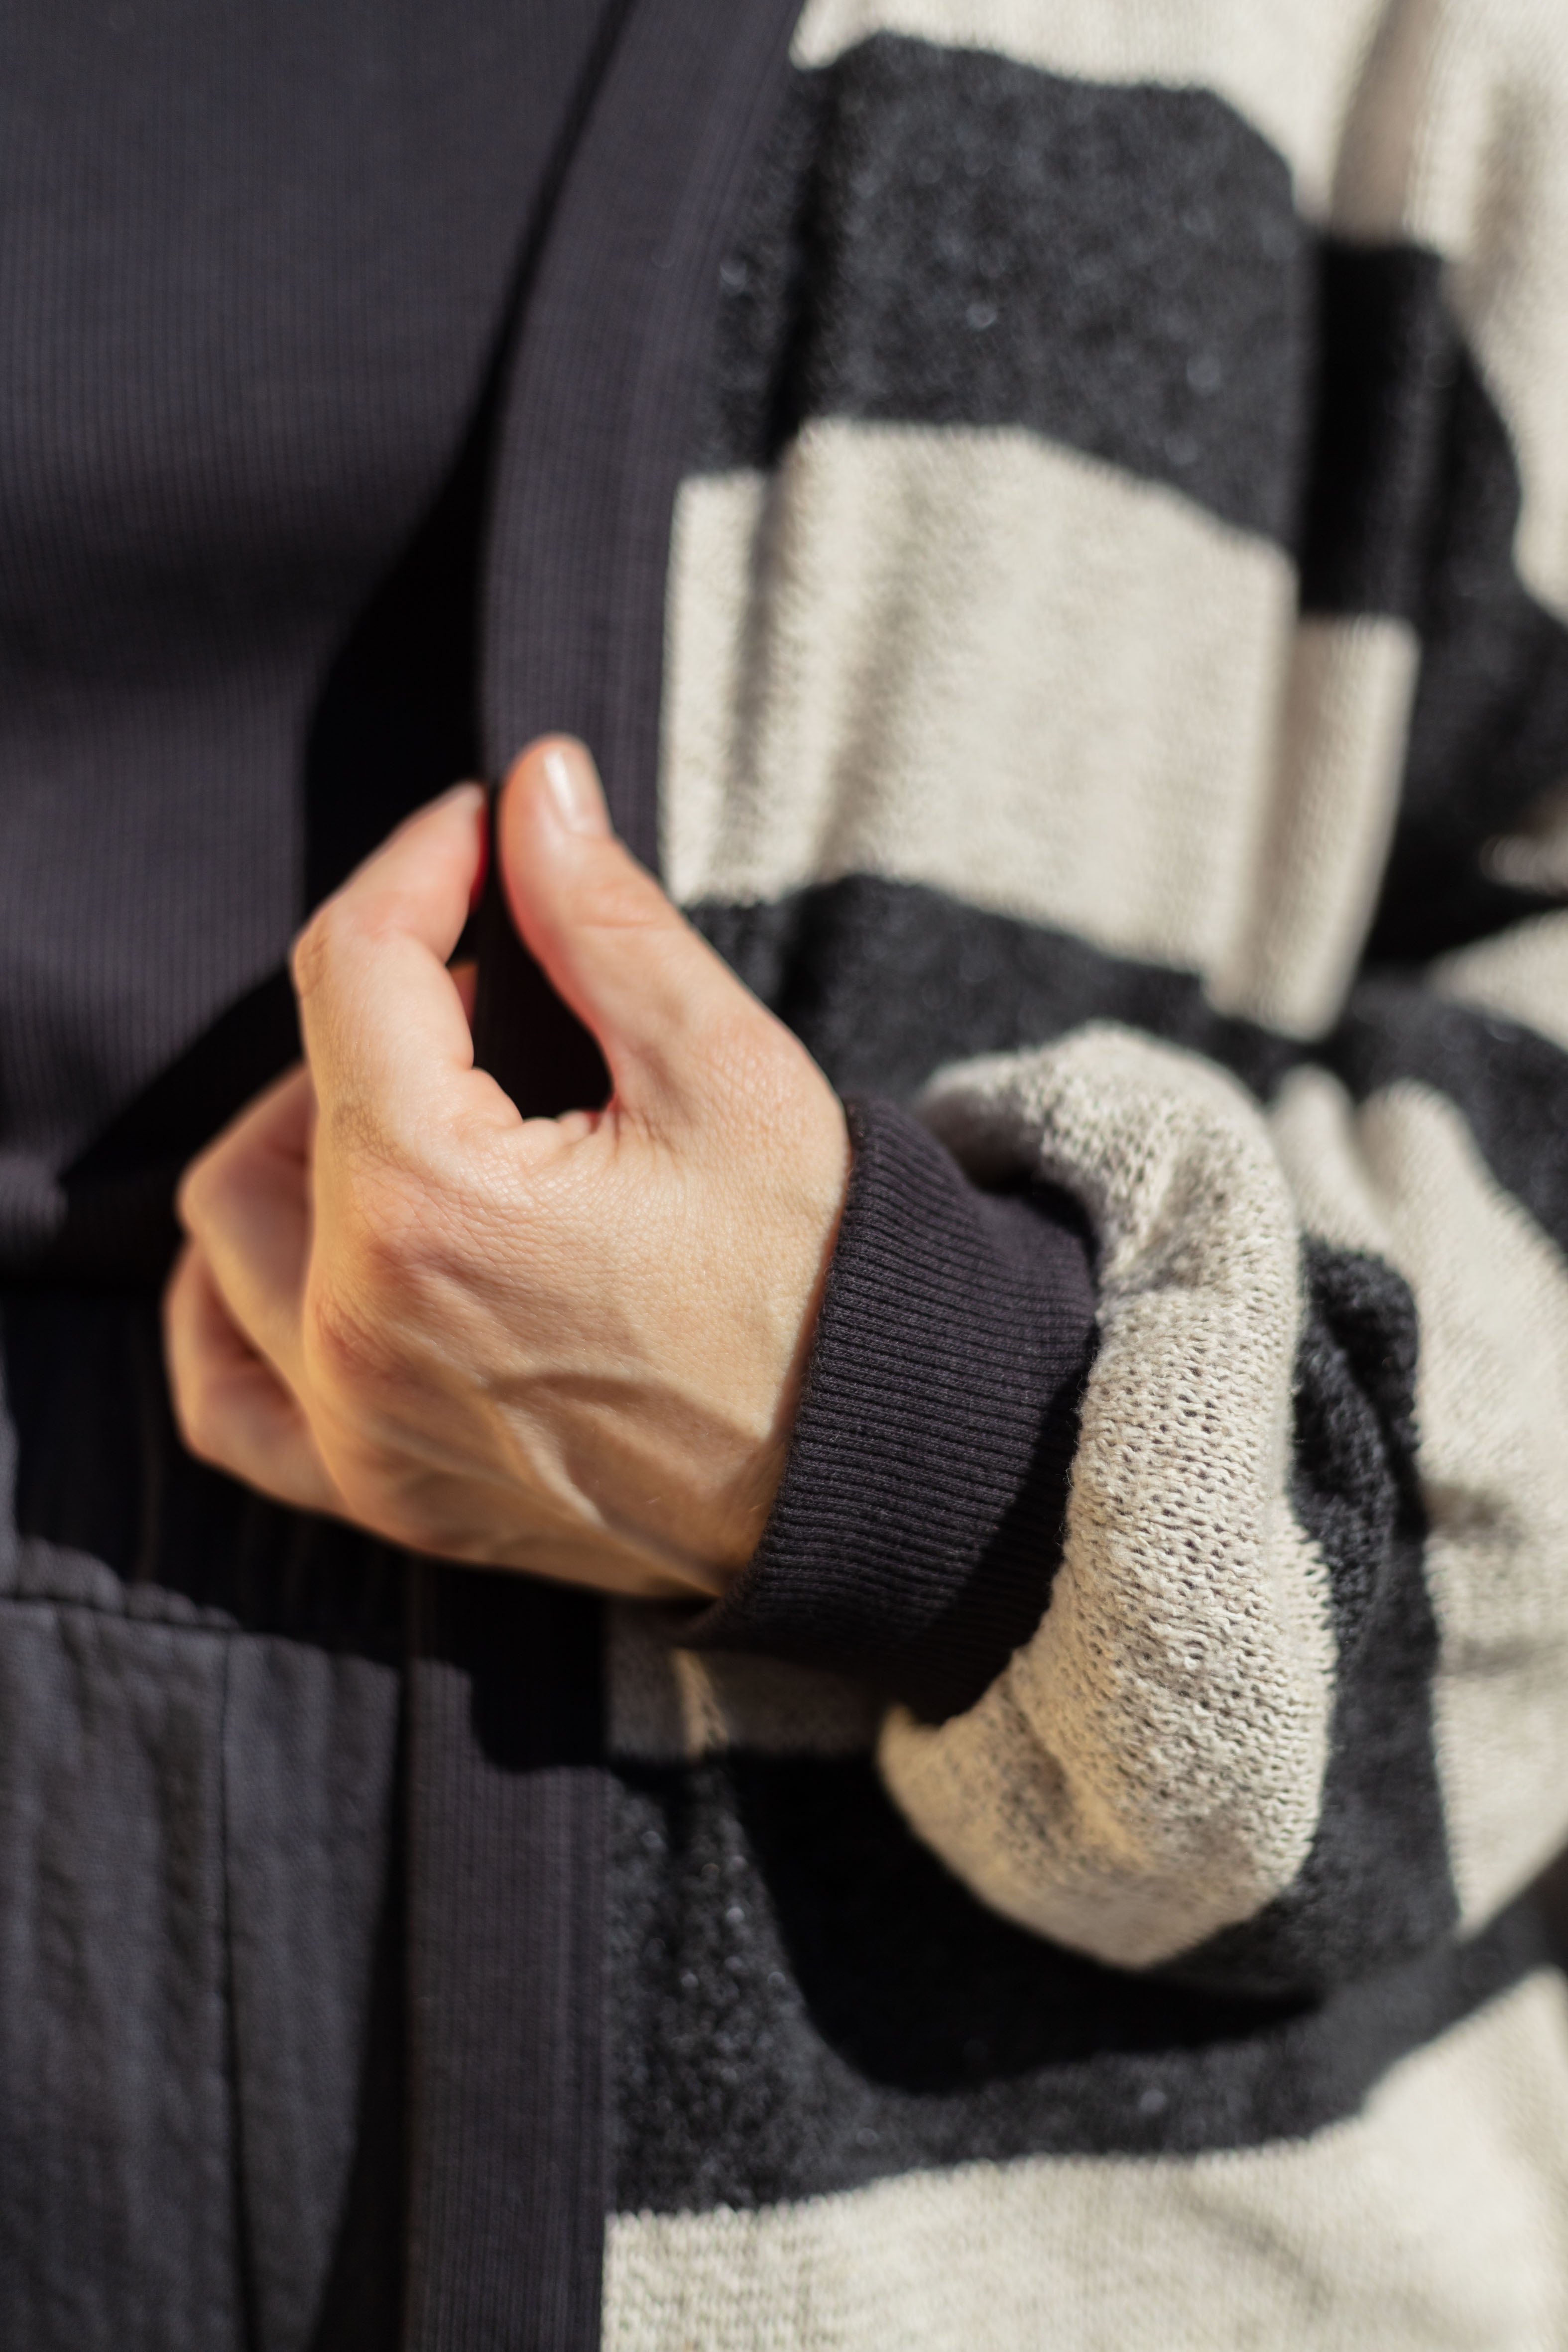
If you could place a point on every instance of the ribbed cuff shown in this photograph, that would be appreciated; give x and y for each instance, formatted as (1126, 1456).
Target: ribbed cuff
(920, 1520)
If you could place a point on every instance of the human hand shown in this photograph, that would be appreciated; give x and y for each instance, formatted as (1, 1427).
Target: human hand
(571, 1346)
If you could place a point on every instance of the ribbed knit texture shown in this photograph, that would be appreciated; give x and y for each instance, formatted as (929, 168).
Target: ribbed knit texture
(955, 1331)
(254, 267)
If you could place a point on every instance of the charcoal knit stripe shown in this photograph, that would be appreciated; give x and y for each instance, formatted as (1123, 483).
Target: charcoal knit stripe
(947, 236)
(1298, 2243)
(1491, 717)
(954, 1326)
(885, 980)
(1376, 1887)
(1389, 353)
(804, 1999)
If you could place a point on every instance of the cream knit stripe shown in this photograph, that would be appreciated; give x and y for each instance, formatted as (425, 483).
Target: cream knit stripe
(716, 628)
(1329, 798)
(1521, 974)
(1401, 1175)
(1434, 2222)
(1148, 1769)
(867, 652)
(670, 1706)
(927, 607)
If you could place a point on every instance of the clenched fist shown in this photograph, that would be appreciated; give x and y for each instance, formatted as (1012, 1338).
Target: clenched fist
(571, 1346)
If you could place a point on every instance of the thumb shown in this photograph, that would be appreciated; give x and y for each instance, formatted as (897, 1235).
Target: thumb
(655, 994)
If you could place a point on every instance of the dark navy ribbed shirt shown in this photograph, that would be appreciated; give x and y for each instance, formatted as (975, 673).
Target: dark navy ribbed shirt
(256, 258)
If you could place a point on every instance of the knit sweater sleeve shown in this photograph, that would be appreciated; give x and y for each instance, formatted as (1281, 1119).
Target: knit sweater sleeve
(1214, 1651)
(1296, 1705)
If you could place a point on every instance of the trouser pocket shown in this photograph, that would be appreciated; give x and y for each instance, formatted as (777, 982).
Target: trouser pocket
(194, 1830)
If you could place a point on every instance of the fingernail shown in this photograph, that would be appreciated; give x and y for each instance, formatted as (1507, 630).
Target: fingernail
(574, 785)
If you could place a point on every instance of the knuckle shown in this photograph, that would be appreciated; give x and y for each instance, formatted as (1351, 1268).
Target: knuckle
(385, 1173)
(354, 919)
(333, 926)
(391, 1207)
(364, 1295)
(192, 1194)
(351, 1129)
(385, 1159)
(347, 1334)
(203, 1191)
(199, 1424)
(313, 950)
(613, 893)
(339, 925)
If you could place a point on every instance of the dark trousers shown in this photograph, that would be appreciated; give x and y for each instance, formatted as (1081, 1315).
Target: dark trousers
(202, 1702)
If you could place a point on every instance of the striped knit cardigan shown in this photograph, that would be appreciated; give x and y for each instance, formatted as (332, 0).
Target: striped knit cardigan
(1111, 691)
(1054, 517)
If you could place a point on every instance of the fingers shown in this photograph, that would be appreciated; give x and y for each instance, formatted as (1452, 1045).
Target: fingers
(247, 1201)
(654, 993)
(231, 1408)
(385, 1030)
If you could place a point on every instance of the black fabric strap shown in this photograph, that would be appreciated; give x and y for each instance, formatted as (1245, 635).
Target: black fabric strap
(508, 2183)
(509, 2164)
(599, 426)
(601, 416)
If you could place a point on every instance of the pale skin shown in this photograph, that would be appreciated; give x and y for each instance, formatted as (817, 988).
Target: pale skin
(572, 1347)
